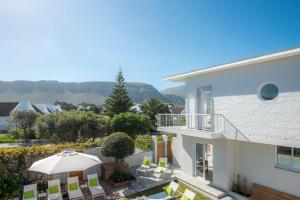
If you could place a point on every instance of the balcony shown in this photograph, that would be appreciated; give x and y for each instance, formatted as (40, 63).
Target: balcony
(210, 126)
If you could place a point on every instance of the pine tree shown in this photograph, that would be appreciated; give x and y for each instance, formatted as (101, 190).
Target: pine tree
(118, 101)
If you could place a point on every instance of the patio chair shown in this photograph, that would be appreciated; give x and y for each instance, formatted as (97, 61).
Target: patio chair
(162, 165)
(74, 190)
(30, 192)
(54, 190)
(95, 188)
(188, 195)
(145, 166)
(165, 195)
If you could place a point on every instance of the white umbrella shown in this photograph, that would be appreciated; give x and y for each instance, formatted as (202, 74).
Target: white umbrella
(65, 161)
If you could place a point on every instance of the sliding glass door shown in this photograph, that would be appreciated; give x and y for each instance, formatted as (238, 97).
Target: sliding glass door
(204, 161)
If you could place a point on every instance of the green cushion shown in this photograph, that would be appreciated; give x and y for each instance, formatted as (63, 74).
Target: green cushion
(29, 194)
(185, 198)
(73, 186)
(162, 164)
(93, 182)
(146, 162)
(53, 189)
(170, 191)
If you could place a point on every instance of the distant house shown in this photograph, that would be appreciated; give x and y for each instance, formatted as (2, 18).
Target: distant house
(177, 110)
(7, 108)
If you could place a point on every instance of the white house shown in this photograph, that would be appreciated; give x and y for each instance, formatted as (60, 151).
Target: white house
(7, 108)
(242, 118)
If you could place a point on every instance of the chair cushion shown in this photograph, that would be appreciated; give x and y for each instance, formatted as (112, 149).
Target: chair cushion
(170, 191)
(53, 189)
(73, 186)
(185, 198)
(146, 162)
(93, 182)
(29, 194)
(162, 164)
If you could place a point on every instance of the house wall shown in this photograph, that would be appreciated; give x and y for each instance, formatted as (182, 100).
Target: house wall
(223, 158)
(257, 162)
(3, 123)
(254, 161)
(235, 96)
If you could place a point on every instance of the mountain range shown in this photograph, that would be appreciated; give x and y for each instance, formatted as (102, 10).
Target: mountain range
(78, 92)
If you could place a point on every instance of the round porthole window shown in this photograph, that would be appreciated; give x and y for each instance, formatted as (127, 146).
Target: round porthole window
(268, 92)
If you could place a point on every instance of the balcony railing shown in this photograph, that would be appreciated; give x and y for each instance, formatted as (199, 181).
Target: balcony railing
(208, 122)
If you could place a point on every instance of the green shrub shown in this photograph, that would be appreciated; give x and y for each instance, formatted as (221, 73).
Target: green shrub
(9, 186)
(130, 123)
(119, 176)
(118, 145)
(72, 126)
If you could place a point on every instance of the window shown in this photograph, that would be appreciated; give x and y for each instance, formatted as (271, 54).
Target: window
(288, 157)
(268, 92)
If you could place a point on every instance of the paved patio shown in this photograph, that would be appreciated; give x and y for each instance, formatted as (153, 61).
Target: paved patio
(151, 180)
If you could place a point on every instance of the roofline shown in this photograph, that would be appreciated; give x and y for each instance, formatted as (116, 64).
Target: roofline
(241, 63)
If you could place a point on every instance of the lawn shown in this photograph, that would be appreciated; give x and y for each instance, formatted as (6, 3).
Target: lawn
(182, 187)
(7, 138)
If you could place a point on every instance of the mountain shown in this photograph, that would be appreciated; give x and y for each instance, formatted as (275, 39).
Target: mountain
(177, 91)
(74, 92)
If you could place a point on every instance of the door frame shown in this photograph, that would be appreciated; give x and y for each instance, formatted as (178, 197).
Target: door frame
(200, 107)
(195, 160)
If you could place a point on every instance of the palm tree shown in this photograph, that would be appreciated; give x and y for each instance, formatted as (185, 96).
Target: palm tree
(153, 107)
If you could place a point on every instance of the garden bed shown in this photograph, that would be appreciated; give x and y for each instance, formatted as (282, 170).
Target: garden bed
(121, 179)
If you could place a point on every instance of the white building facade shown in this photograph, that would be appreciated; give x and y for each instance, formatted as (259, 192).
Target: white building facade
(242, 118)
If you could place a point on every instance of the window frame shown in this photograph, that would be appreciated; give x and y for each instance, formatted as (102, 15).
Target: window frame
(260, 88)
(291, 168)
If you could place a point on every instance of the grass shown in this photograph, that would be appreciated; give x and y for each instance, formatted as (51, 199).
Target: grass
(155, 190)
(7, 138)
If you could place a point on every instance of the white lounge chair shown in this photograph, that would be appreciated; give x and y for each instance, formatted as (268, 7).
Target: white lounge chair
(54, 190)
(95, 188)
(168, 194)
(145, 166)
(162, 165)
(188, 195)
(74, 190)
(30, 192)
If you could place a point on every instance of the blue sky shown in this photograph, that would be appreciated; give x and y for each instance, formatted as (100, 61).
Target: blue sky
(76, 40)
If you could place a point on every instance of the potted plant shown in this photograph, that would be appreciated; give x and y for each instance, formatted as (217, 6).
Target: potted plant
(119, 146)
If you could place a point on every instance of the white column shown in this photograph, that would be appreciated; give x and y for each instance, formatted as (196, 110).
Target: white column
(165, 140)
(154, 148)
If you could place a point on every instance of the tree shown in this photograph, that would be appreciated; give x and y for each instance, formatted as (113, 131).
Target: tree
(66, 106)
(118, 101)
(153, 107)
(130, 123)
(24, 119)
(119, 146)
(92, 125)
(72, 126)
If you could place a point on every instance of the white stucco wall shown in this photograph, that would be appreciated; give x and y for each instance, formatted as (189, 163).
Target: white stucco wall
(257, 162)
(235, 96)
(223, 158)
(254, 161)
